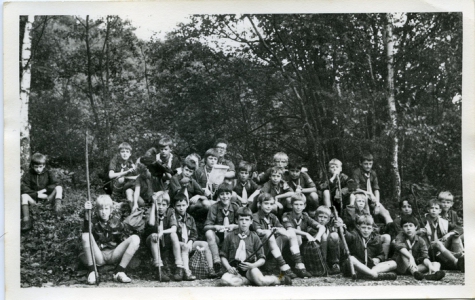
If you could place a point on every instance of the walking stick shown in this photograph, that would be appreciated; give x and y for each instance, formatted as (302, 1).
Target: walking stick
(157, 220)
(341, 195)
(235, 263)
(89, 214)
(345, 245)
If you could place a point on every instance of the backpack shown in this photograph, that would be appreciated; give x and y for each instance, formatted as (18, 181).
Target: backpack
(135, 222)
(198, 264)
(314, 260)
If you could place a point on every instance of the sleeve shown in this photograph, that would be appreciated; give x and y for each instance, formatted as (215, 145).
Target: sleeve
(348, 215)
(286, 221)
(265, 177)
(265, 188)
(343, 180)
(25, 186)
(172, 218)
(256, 222)
(350, 241)
(197, 188)
(52, 181)
(356, 177)
(230, 165)
(286, 187)
(211, 218)
(311, 222)
(176, 164)
(151, 152)
(375, 185)
(277, 222)
(175, 186)
(456, 229)
(113, 164)
(399, 243)
(257, 243)
(254, 187)
(424, 252)
(193, 230)
(85, 225)
(224, 251)
(380, 253)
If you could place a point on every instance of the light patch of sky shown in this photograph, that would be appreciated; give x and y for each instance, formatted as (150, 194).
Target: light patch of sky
(159, 23)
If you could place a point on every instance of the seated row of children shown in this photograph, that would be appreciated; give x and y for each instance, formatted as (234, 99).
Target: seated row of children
(241, 213)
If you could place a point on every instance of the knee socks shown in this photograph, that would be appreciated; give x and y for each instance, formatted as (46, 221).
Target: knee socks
(129, 253)
(26, 212)
(214, 251)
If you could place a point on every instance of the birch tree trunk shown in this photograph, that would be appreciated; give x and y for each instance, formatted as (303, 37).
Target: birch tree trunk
(25, 80)
(389, 41)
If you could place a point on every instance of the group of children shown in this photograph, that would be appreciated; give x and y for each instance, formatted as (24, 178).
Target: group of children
(250, 219)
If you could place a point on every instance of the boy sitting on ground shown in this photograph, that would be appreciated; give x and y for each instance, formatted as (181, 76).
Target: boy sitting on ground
(366, 252)
(411, 254)
(201, 174)
(38, 184)
(164, 236)
(245, 188)
(335, 191)
(187, 235)
(280, 191)
(442, 237)
(280, 160)
(238, 246)
(300, 182)
(264, 221)
(446, 200)
(221, 220)
(109, 243)
(298, 223)
(120, 166)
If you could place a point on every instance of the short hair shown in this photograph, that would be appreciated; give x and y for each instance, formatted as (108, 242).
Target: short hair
(281, 155)
(244, 212)
(264, 197)
(366, 156)
(446, 195)
(194, 156)
(211, 152)
(165, 141)
(103, 200)
(180, 197)
(190, 163)
(163, 197)
(433, 202)
(245, 166)
(298, 197)
(224, 187)
(365, 220)
(409, 219)
(276, 170)
(38, 159)
(335, 161)
(220, 141)
(409, 201)
(360, 192)
(294, 165)
(323, 210)
(125, 146)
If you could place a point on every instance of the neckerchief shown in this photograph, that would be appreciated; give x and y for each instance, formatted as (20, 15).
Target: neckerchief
(299, 237)
(409, 245)
(226, 220)
(267, 220)
(365, 245)
(169, 162)
(160, 226)
(241, 250)
(368, 183)
(184, 229)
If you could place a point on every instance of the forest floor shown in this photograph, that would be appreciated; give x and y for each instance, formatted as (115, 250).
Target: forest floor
(49, 257)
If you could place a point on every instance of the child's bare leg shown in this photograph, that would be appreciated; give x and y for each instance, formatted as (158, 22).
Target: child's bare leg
(327, 198)
(59, 192)
(176, 249)
(209, 257)
(256, 277)
(446, 255)
(213, 246)
(454, 243)
(334, 246)
(385, 214)
(234, 280)
(295, 249)
(154, 249)
(352, 199)
(384, 267)
(275, 250)
(87, 258)
(129, 194)
(385, 243)
(360, 267)
(185, 256)
(126, 250)
(26, 200)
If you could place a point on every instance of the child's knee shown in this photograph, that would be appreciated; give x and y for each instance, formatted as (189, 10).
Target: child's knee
(25, 199)
(85, 237)
(205, 204)
(183, 247)
(135, 240)
(333, 237)
(210, 236)
(58, 189)
(386, 238)
(436, 265)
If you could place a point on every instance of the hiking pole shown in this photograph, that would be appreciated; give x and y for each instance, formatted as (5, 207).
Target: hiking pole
(157, 220)
(341, 195)
(345, 245)
(235, 263)
(89, 214)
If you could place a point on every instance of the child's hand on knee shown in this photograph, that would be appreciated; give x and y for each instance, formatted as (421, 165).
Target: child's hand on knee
(232, 270)
(245, 266)
(156, 237)
(88, 205)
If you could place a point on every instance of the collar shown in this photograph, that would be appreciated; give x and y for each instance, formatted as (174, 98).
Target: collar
(262, 215)
(184, 217)
(293, 215)
(238, 231)
(221, 206)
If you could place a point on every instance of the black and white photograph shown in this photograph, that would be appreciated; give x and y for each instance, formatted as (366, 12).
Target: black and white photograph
(285, 151)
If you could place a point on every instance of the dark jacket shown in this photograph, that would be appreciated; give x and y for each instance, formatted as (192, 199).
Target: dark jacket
(33, 182)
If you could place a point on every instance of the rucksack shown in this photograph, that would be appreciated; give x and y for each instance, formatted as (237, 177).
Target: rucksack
(314, 260)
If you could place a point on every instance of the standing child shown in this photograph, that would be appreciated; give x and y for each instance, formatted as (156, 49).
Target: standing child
(298, 223)
(330, 241)
(442, 236)
(411, 254)
(221, 219)
(264, 221)
(38, 184)
(300, 182)
(366, 252)
(238, 246)
(246, 189)
(109, 243)
(120, 166)
(280, 161)
(187, 235)
(335, 191)
(280, 191)
(164, 236)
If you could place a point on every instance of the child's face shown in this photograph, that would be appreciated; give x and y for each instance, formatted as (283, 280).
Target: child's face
(125, 154)
(294, 173)
(406, 208)
(365, 229)
(409, 229)
(360, 201)
(104, 212)
(244, 223)
(275, 178)
(165, 151)
(162, 206)
(211, 160)
(366, 165)
(434, 211)
(39, 168)
(334, 168)
(446, 204)
(280, 162)
(243, 175)
(298, 207)
(181, 206)
(187, 172)
(266, 206)
(323, 219)
(225, 197)
(221, 147)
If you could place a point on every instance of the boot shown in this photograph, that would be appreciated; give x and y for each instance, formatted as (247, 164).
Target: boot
(188, 276)
(178, 276)
(26, 221)
(387, 276)
(436, 276)
(57, 206)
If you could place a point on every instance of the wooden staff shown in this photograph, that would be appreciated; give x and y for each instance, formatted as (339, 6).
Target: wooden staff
(345, 245)
(89, 214)
(157, 220)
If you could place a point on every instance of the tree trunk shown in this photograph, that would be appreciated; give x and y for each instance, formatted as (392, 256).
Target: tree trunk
(389, 41)
(25, 81)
